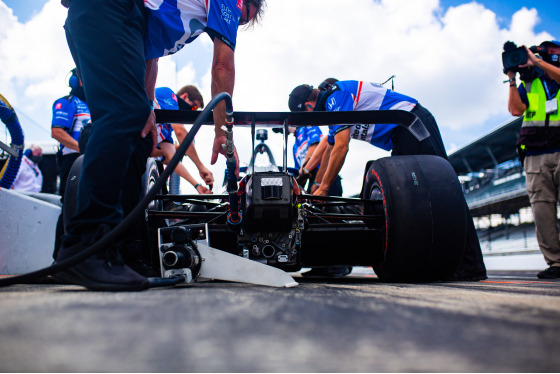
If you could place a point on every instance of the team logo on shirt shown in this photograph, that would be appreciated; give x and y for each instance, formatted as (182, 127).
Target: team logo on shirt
(58, 106)
(169, 102)
(240, 4)
(227, 14)
(331, 103)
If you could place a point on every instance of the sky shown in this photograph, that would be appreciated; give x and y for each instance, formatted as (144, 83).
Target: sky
(445, 53)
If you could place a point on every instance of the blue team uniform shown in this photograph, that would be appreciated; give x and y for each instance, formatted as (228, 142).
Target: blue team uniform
(172, 24)
(165, 99)
(305, 137)
(358, 95)
(71, 114)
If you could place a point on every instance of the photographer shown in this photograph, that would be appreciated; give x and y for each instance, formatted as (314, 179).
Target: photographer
(539, 143)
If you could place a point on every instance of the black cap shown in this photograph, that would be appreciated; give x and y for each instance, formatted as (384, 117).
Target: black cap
(299, 97)
(554, 43)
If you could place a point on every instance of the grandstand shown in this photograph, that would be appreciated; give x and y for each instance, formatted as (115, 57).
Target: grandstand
(494, 186)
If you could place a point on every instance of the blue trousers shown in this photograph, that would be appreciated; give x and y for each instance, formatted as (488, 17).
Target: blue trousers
(106, 39)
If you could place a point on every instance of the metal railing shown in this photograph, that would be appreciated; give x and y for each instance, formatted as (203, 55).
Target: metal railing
(497, 194)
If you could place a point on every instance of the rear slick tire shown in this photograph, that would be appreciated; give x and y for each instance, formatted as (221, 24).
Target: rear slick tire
(425, 218)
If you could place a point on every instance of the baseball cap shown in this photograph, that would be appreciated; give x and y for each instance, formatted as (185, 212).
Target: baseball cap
(299, 97)
(551, 42)
(551, 58)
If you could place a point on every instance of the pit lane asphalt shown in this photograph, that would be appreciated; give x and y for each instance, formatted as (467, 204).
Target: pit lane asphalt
(509, 323)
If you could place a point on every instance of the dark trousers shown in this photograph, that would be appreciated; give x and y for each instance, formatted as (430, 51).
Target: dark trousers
(65, 164)
(404, 143)
(106, 41)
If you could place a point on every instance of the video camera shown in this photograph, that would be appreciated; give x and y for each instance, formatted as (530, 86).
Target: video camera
(514, 56)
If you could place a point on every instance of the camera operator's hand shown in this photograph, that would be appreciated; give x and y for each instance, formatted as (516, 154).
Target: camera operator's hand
(532, 60)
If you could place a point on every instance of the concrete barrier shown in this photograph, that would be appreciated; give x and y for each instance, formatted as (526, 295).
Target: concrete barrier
(27, 231)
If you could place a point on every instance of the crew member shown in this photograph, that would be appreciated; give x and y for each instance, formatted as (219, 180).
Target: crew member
(539, 147)
(116, 46)
(359, 95)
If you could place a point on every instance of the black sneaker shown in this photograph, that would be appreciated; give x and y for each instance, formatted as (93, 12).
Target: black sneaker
(552, 272)
(328, 272)
(104, 271)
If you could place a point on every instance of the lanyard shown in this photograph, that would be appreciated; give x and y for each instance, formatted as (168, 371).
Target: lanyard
(546, 89)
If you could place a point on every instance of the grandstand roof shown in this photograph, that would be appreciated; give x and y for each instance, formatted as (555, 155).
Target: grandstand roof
(489, 150)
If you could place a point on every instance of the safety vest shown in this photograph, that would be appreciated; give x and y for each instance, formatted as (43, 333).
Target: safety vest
(540, 131)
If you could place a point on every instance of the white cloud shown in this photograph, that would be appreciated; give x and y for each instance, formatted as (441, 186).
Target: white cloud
(35, 61)
(449, 60)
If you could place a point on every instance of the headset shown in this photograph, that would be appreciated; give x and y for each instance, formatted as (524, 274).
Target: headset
(74, 80)
(327, 84)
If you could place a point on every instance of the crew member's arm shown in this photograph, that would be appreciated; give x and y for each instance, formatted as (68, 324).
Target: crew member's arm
(310, 152)
(204, 172)
(180, 131)
(314, 136)
(169, 151)
(515, 105)
(150, 87)
(223, 80)
(317, 155)
(61, 136)
(323, 168)
(337, 158)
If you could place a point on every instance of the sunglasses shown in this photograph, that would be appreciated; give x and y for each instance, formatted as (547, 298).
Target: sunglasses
(244, 21)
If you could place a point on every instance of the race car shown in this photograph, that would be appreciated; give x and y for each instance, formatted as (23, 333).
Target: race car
(408, 222)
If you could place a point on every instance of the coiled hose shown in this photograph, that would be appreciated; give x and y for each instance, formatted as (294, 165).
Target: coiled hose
(138, 210)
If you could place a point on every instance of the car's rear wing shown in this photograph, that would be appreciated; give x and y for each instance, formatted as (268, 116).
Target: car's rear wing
(284, 119)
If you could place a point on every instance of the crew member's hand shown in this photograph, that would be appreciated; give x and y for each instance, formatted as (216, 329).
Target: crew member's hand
(319, 190)
(150, 128)
(206, 176)
(219, 147)
(203, 190)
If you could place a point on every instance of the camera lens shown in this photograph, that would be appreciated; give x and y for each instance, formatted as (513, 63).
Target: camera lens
(516, 58)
